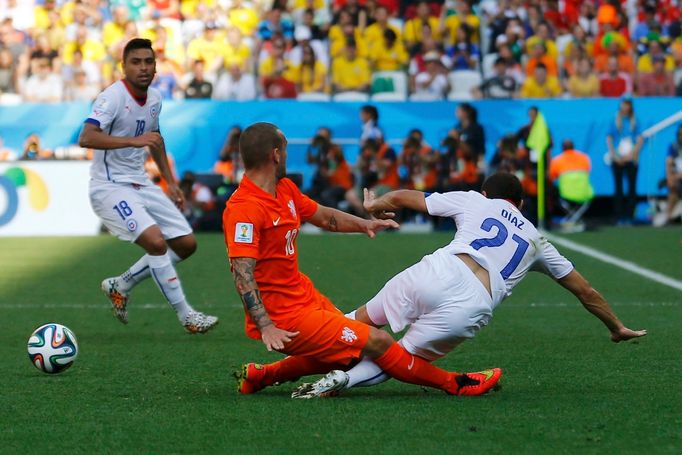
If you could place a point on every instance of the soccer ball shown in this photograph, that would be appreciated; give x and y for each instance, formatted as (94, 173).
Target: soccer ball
(52, 348)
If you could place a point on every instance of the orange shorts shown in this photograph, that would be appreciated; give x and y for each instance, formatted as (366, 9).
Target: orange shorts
(327, 335)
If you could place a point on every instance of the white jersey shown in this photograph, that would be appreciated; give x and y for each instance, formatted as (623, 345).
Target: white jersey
(497, 236)
(118, 113)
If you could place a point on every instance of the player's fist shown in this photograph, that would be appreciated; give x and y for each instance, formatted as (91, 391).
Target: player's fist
(151, 139)
(371, 206)
(624, 334)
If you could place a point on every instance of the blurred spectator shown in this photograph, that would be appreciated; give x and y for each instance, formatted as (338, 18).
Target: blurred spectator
(275, 24)
(673, 174)
(304, 38)
(388, 54)
(580, 39)
(235, 51)
(514, 68)
(624, 143)
(588, 18)
(513, 38)
(417, 164)
(229, 160)
(333, 180)
(235, 85)
(648, 23)
(506, 158)
(243, 17)
(342, 32)
(114, 31)
(312, 74)
(540, 85)
(8, 72)
(80, 89)
(464, 53)
(277, 63)
(432, 83)
(414, 29)
(166, 80)
(358, 13)
(91, 50)
(645, 64)
(369, 115)
(657, 83)
(166, 8)
(460, 167)
(539, 56)
(570, 173)
(200, 204)
(584, 83)
(543, 36)
(378, 164)
(614, 47)
(614, 83)
(33, 150)
(6, 153)
(350, 72)
(196, 85)
(278, 85)
(315, 19)
(44, 86)
(500, 85)
(463, 15)
(560, 20)
(208, 47)
(152, 170)
(92, 69)
(374, 34)
(469, 131)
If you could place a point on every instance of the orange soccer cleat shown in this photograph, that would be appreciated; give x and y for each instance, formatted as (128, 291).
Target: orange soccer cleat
(477, 383)
(250, 378)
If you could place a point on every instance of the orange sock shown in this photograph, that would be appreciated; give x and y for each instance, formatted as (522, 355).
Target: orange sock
(293, 367)
(405, 367)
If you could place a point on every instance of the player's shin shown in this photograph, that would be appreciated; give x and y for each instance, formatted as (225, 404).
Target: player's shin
(167, 280)
(365, 374)
(405, 367)
(140, 271)
(293, 367)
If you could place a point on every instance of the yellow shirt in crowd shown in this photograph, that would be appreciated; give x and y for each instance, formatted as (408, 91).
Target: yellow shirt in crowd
(350, 74)
(531, 88)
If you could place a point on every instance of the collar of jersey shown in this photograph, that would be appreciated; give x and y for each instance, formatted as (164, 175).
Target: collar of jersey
(252, 187)
(139, 100)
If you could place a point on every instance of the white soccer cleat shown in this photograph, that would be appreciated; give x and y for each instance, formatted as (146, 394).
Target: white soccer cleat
(328, 386)
(198, 322)
(117, 297)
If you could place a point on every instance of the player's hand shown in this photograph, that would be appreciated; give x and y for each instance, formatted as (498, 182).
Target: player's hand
(175, 195)
(151, 139)
(370, 205)
(274, 338)
(624, 334)
(374, 226)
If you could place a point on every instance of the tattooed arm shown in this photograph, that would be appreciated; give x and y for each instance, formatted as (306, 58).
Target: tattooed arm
(337, 221)
(243, 272)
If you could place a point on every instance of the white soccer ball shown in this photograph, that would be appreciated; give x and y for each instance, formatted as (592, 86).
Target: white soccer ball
(52, 348)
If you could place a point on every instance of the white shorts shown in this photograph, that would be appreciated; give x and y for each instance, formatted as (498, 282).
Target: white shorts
(441, 301)
(127, 210)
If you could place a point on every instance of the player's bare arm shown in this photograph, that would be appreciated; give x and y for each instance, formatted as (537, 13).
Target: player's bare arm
(243, 272)
(93, 137)
(385, 206)
(595, 303)
(161, 159)
(337, 221)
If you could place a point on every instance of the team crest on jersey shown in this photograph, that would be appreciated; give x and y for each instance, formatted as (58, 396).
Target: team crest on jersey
(292, 207)
(348, 335)
(153, 111)
(132, 225)
(243, 233)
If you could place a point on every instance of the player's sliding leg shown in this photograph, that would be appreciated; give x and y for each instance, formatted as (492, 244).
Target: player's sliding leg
(253, 377)
(164, 275)
(118, 288)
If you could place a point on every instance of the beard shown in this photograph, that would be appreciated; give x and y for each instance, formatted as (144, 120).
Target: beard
(281, 171)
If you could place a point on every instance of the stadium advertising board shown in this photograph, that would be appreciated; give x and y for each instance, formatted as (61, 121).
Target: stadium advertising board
(45, 198)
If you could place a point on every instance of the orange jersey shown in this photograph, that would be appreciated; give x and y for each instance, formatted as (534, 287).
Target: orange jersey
(260, 226)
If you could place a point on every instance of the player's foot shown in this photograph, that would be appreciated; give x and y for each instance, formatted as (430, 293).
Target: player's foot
(477, 383)
(328, 386)
(250, 378)
(117, 297)
(198, 322)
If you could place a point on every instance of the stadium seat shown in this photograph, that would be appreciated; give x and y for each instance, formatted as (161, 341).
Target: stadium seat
(313, 97)
(462, 82)
(10, 99)
(351, 96)
(575, 196)
(396, 80)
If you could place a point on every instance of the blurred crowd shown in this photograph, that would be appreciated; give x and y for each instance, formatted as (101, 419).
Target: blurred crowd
(62, 50)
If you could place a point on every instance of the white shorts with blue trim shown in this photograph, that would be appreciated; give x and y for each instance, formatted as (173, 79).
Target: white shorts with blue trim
(127, 210)
(441, 301)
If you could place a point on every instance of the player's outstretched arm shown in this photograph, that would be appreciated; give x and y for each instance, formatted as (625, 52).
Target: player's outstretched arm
(242, 271)
(384, 207)
(595, 303)
(337, 221)
(93, 137)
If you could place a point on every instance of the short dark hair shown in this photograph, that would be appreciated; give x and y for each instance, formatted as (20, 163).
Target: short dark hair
(257, 141)
(136, 43)
(541, 66)
(371, 111)
(567, 144)
(503, 185)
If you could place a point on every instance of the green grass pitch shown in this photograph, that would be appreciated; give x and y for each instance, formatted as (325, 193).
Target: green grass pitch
(150, 388)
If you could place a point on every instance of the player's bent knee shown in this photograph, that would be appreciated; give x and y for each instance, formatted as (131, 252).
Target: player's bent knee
(379, 341)
(184, 246)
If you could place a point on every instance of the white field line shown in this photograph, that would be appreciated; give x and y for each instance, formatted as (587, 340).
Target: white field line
(160, 306)
(615, 261)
